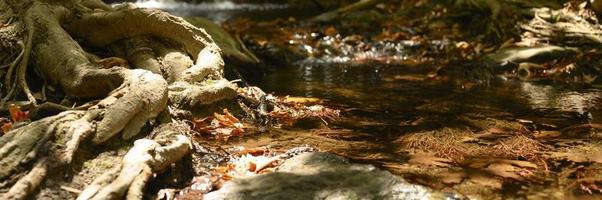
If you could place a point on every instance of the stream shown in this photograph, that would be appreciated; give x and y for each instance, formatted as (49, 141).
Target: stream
(383, 103)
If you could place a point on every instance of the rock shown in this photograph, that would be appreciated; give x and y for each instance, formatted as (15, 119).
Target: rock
(317, 175)
(523, 54)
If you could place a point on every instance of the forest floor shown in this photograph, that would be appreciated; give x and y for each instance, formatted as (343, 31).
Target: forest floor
(479, 138)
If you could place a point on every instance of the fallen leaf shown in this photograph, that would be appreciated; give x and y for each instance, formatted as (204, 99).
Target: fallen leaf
(578, 157)
(5, 125)
(453, 178)
(429, 160)
(485, 180)
(16, 114)
(331, 31)
(302, 100)
(505, 171)
(222, 126)
(547, 134)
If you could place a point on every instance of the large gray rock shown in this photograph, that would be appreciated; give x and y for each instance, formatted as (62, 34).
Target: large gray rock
(318, 175)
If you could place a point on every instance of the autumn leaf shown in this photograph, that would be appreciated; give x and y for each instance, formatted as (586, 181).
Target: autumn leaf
(222, 126)
(453, 177)
(578, 157)
(16, 114)
(5, 125)
(429, 160)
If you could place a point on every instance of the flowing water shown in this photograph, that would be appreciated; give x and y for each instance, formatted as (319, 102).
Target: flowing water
(381, 103)
(219, 11)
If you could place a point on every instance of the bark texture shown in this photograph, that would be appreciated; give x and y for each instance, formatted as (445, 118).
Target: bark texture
(170, 63)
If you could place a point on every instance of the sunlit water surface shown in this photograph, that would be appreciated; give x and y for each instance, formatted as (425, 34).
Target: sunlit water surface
(380, 102)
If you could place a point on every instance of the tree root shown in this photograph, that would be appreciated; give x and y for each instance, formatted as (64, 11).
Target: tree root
(141, 98)
(30, 182)
(129, 97)
(128, 21)
(564, 26)
(183, 94)
(138, 165)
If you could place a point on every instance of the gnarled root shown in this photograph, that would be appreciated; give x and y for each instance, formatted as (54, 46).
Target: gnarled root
(22, 145)
(141, 98)
(129, 21)
(130, 97)
(137, 167)
(191, 85)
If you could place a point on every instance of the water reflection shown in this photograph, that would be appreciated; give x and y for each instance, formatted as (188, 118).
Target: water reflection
(549, 97)
(378, 89)
(207, 6)
(218, 11)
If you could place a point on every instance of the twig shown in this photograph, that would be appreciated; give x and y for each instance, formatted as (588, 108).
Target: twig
(70, 189)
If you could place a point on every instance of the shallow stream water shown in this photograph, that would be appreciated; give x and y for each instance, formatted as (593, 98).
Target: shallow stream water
(382, 103)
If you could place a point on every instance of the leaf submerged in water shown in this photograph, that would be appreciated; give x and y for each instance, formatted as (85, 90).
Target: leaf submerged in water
(429, 160)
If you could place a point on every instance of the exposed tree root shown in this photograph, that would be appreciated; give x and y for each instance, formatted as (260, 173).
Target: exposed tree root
(162, 48)
(30, 182)
(128, 21)
(138, 165)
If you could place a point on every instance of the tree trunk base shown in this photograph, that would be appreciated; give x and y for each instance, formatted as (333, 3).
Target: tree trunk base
(160, 50)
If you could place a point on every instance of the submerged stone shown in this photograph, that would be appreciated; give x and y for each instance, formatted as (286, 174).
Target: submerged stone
(317, 175)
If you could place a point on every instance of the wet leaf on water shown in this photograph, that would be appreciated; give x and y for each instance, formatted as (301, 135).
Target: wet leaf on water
(514, 169)
(429, 160)
(507, 171)
(301, 100)
(567, 142)
(493, 133)
(486, 180)
(578, 157)
(453, 177)
(582, 128)
(222, 126)
(547, 134)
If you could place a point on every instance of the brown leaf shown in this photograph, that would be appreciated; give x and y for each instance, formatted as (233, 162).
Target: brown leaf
(515, 169)
(547, 134)
(230, 116)
(331, 31)
(16, 114)
(504, 170)
(578, 157)
(453, 178)
(485, 180)
(301, 100)
(429, 160)
(5, 125)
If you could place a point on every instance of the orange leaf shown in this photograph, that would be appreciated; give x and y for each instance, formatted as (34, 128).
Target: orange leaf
(230, 116)
(16, 114)
(6, 127)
